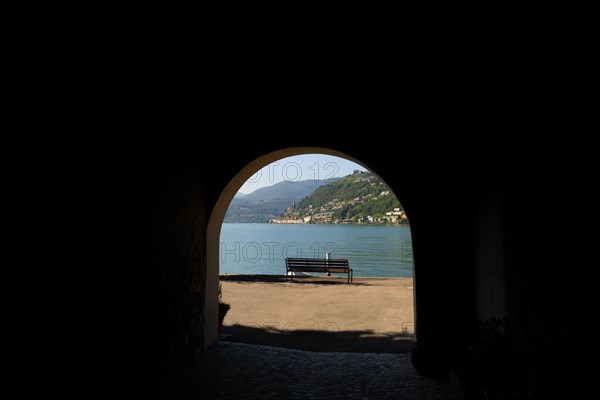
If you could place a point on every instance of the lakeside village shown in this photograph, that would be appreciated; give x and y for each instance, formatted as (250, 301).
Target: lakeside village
(325, 214)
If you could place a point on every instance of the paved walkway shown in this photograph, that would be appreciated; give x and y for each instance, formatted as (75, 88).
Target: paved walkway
(231, 370)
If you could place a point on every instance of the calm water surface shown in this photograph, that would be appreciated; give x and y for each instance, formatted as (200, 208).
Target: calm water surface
(373, 250)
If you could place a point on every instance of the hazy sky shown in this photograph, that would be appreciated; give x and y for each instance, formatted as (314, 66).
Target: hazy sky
(300, 168)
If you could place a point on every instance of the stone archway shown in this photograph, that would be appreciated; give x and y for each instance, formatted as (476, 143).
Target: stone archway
(216, 220)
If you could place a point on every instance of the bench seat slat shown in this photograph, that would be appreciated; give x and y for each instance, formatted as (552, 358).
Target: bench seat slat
(318, 269)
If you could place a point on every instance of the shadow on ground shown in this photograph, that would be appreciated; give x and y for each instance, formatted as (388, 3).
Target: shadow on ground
(364, 341)
(314, 280)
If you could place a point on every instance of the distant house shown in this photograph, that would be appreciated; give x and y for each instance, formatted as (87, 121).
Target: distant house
(323, 217)
(287, 221)
(395, 212)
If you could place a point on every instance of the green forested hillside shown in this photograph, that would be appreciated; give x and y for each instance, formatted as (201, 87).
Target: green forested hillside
(353, 198)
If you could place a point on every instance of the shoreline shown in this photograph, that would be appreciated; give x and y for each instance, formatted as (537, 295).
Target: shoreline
(281, 277)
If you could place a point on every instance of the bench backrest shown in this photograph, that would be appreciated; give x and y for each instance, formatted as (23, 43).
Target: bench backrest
(317, 262)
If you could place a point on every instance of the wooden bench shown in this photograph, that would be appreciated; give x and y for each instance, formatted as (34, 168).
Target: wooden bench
(328, 265)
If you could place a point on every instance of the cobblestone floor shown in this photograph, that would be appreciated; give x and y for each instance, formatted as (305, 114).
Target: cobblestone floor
(231, 370)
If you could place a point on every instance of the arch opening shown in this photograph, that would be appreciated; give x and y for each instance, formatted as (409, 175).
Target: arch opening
(218, 215)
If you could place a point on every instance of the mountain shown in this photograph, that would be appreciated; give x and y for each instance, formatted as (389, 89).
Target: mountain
(270, 202)
(360, 197)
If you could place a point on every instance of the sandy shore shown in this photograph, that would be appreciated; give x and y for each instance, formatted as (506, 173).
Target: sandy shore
(370, 314)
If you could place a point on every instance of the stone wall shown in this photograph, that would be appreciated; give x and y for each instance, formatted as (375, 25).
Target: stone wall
(550, 290)
(149, 229)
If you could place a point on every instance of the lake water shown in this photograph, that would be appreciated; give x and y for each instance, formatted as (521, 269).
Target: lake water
(372, 250)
